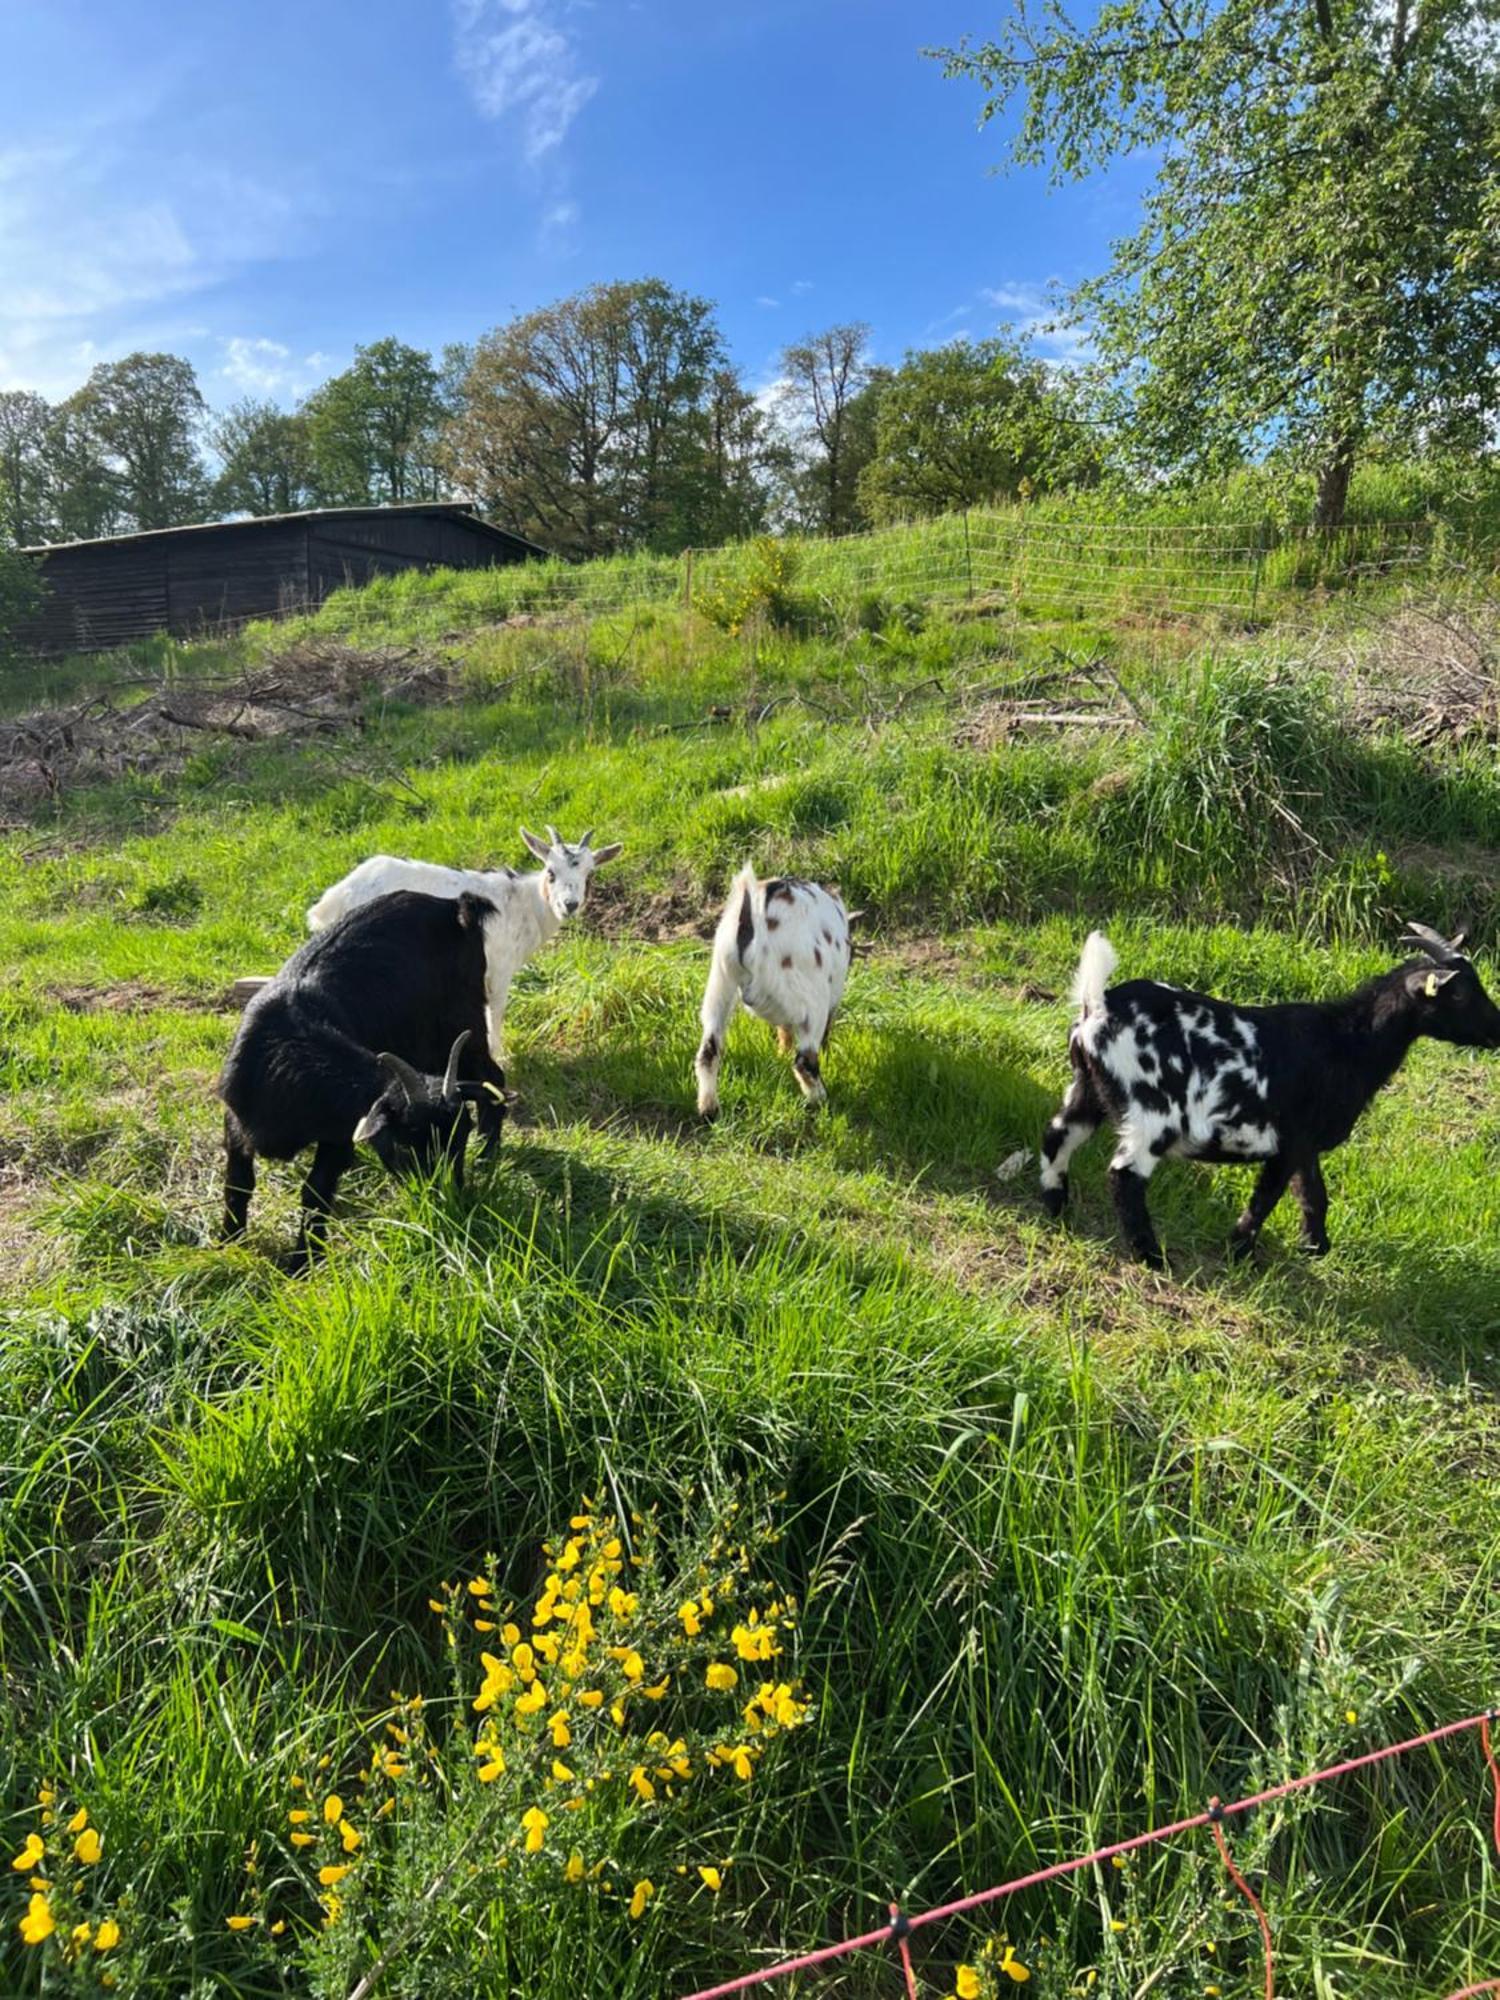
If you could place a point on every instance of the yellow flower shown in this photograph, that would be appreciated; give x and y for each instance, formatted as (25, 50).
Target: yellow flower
(480, 1586)
(349, 1836)
(79, 1820)
(591, 1698)
(1115, 1924)
(495, 1768)
(967, 1984)
(524, 1659)
(562, 1736)
(644, 1788)
(82, 1933)
(1351, 1716)
(755, 1642)
(30, 1854)
(331, 1876)
(535, 1822)
(712, 1879)
(659, 1692)
(38, 1922)
(46, 1796)
(304, 1840)
(561, 1772)
(298, 1816)
(631, 1663)
(107, 1936)
(535, 1698)
(240, 1923)
(510, 1635)
(433, 1604)
(484, 1624)
(88, 1846)
(574, 1870)
(333, 1809)
(644, 1891)
(1213, 1990)
(721, 1677)
(1012, 1967)
(692, 1624)
(622, 1602)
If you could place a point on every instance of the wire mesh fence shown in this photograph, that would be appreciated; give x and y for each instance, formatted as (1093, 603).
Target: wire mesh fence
(1020, 560)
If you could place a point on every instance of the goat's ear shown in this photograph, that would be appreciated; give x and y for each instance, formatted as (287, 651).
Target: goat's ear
(537, 846)
(1423, 981)
(472, 910)
(603, 854)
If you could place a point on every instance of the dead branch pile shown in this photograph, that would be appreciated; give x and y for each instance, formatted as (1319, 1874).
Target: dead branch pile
(1430, 669)
(1072, 694)
(314, 688)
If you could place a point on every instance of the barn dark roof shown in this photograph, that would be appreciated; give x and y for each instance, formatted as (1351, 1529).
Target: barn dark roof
(216, 574)
(453, 510)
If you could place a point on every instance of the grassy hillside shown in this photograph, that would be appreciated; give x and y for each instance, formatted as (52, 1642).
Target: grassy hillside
(1051, 1548)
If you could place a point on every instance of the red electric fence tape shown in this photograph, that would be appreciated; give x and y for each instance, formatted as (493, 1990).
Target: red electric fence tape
(901, 1925)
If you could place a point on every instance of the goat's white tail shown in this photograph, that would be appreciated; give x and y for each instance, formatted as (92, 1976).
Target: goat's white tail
(329, 907)
(1094, 969)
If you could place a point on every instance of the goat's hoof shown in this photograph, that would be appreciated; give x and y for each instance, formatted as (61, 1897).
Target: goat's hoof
(1054, 1201)
(1152, 1259)
(1241, 1249)
(1315, 1246)
(709, 1113)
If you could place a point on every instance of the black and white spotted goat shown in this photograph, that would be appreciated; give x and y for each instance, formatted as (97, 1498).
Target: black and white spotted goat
(372, 1034)
(1182, 1075)
(782, 947)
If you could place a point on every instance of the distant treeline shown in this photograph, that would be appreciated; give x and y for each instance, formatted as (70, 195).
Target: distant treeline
(610, 421)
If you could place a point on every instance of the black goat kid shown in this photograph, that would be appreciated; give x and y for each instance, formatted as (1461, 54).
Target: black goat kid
(402, 976)
(1179, 1074)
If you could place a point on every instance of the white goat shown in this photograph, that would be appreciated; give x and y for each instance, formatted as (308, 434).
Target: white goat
(783, 948)
(530, 908)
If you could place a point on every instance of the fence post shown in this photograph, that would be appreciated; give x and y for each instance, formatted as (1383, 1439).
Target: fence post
(1262, 543)
(687, 579)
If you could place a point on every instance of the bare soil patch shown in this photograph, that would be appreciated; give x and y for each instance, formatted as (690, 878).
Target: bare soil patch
(129, 996)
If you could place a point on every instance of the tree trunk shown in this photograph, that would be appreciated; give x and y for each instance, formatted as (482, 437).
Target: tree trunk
(1333, 486)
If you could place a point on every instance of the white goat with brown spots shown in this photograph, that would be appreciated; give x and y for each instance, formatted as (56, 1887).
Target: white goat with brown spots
(782, 947)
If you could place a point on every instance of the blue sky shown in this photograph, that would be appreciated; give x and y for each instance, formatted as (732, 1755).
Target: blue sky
(261, 186)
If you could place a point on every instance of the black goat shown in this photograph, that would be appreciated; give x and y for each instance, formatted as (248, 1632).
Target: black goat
(1181, 1074)
(404, 976)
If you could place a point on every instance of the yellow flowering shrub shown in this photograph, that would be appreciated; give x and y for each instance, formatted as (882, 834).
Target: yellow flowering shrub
(58, 1900)
(585, 1738)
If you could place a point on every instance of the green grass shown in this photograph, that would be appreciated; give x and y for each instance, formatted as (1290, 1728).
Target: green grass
(1077, 1546)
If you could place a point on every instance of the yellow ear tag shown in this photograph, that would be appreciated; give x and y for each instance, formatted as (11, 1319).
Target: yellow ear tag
(1431, 987)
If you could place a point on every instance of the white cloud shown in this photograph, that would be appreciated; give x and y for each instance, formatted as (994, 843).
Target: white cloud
(521, 64)
(770, 304)
(1034, 311)
(89, 261)
(801, 285)
(254, 366)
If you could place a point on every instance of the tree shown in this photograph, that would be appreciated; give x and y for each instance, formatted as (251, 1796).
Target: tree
(24, 512)
(266, 460)
(145, 414)
(960, 425)
(604, 422)
(1316, 270)
(823, 378)
(374, 432)
(21, 595)
(85, 495)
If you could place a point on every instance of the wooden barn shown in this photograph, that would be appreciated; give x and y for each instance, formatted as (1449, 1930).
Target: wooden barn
(190, 580)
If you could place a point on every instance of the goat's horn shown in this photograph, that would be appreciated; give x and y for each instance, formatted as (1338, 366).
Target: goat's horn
(587, 838)
(450, 1075)
(410, 1080)
(554, 836)
(1438, 949)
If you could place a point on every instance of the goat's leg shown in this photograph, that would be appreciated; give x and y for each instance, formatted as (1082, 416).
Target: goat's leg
(807, 1063)
(1312, 1194)
(1078, 1118)
(330, 1162)
(1268, 1190)
(239, 1177)
(477, 1065)
(1129, 1171)
(719, 1003)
